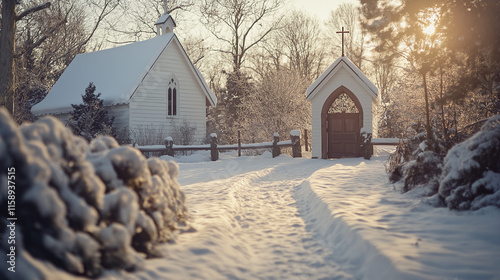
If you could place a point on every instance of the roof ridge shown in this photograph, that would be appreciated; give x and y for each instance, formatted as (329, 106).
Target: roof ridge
(318, 83)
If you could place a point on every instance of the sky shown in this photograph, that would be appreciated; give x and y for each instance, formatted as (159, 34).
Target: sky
(320, 8)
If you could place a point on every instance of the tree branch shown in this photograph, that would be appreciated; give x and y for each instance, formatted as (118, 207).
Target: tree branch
(33, 10)
(223, 51)
(40, 41)
(103, 14)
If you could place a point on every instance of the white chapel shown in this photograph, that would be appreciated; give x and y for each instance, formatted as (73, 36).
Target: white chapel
(343, 100)
(151, 82)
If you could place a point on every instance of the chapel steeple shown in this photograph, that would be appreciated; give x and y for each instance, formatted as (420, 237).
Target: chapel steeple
(165, 24)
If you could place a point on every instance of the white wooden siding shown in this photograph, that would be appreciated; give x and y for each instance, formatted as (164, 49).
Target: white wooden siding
(375, 115)
(148, 106)
(121, 114)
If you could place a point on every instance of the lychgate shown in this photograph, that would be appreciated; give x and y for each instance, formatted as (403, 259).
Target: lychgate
(343, 100)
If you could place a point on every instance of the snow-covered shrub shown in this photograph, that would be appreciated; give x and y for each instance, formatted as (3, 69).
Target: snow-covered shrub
(151, 134)
(123, 135)
(183, 132)
(471, 173)
(417, 163)
(84, 207)
(424, 171)
(396, 162)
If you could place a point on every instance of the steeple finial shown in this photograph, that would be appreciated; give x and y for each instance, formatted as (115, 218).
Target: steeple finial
(165, 24)
(165, 7)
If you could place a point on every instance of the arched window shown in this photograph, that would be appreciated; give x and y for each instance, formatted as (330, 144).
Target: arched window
(172, 97)
(343, 104)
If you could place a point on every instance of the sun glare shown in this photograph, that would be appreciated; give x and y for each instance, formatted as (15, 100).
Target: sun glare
(429, 30)
(431, 20)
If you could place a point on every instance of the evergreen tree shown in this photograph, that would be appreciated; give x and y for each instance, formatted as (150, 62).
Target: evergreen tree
(238, 86)
(442, 38)
(226, 118)
(90, 118)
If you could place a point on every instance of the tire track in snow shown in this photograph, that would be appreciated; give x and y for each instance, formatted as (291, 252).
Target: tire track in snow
(214, 251)
(282, 246)
(332, 223)
(249, 227)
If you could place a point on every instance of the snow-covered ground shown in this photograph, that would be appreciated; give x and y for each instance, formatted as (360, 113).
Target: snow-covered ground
(283, 218)
(262, 218)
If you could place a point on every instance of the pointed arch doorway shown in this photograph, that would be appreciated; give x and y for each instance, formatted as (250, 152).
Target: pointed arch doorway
(341, 122)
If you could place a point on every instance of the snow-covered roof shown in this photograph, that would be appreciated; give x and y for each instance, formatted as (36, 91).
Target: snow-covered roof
(342, 61)
(116, 73)
(163, 18)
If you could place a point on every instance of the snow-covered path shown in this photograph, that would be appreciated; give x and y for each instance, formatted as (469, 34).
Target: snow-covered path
(283, 218)
(249, 226)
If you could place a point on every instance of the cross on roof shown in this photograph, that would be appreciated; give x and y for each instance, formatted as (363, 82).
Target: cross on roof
(343, 32)
(165, 6)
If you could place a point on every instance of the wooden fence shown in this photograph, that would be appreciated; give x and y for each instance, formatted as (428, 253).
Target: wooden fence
(170, 148)
(385, 141)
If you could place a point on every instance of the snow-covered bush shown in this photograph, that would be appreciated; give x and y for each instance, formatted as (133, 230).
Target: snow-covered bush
(424, 171)
(183, 131)
(84, 207)
(418, 163)
(396, 162)
(471, 173)
(151, 134)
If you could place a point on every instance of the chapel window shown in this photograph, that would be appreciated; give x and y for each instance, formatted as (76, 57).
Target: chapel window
(343, 104)
(172, 98)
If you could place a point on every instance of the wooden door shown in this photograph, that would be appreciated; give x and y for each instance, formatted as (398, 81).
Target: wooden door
(343, 135)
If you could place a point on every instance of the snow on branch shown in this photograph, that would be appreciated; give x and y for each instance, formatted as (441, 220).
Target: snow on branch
(86, 207)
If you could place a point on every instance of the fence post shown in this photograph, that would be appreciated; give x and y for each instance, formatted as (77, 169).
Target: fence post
(276, 149)
(366, 145)
(306, 140)
(214, 153)
(239, 143)
(169, 145)
(296, 148)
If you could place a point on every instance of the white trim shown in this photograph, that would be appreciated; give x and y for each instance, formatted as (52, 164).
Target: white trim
(344, 62)
(199, 77)
(163, 18)
(143, 76)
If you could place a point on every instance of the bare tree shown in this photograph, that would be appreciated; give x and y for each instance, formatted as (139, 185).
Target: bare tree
(142, 14)
(300, 36)
(347, 16)
(279, 106)
(8, 48)
(240, 25)
(270, 57)
(296, 46)
(196, 48)
(386, 75)
(46, 41)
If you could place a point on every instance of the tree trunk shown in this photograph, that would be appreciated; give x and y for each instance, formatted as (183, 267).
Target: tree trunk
(7, 48)
(428, 128)
(443, 119)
